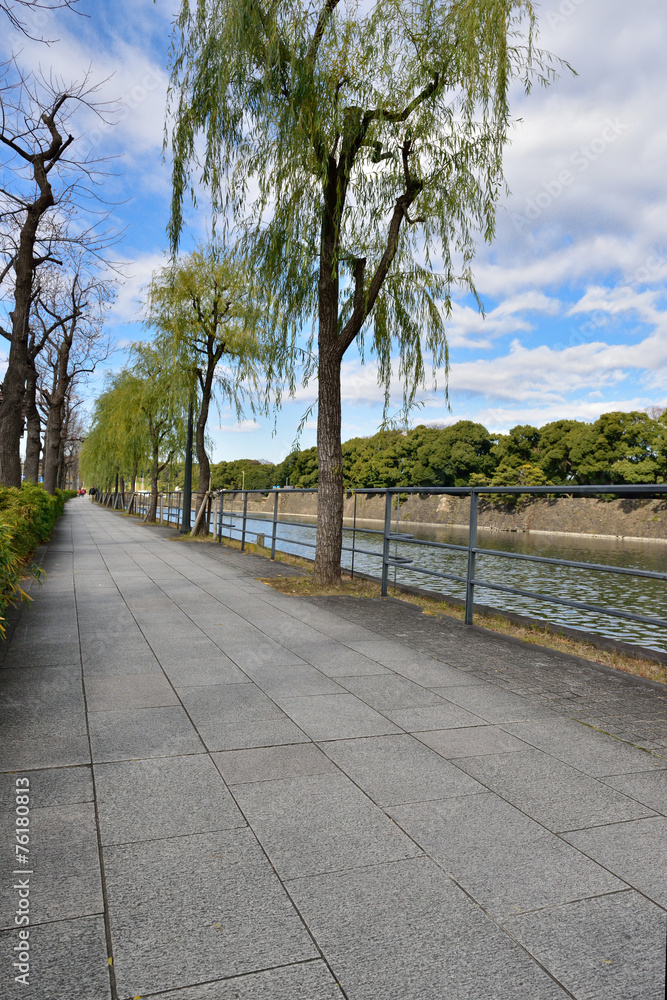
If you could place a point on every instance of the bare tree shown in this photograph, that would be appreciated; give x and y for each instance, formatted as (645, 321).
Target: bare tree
(72, 437)
(35, 120)
(42, 327)
(76, 344)
(24, 15)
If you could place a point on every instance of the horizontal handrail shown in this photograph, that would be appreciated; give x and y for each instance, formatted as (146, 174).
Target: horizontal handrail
(170, 505)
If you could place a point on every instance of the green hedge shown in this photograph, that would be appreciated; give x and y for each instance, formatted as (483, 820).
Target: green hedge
(27, 518)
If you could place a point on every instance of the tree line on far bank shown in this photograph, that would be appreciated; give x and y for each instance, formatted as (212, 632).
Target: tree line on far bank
(618, 448)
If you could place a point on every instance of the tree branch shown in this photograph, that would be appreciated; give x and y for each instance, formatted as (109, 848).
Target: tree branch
(402, 116)
(364, 302)
(325, 13)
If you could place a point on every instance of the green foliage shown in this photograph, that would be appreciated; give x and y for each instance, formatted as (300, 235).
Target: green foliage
(138, 422)
(27, 518)
(518, 447)
(229, 475)
(355, 142)
(556, 441)
(298, 469)
(619, 448)
(510, 474)
(208, 321)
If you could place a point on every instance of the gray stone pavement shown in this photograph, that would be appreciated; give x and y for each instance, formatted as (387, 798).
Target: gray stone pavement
(239, 795)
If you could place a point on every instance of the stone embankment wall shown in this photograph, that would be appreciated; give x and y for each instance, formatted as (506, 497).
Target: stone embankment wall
(577, 515)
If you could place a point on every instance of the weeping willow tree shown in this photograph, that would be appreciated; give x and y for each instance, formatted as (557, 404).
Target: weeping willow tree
(207, 321)
(117, 441)
(361, 145)
(138, 420)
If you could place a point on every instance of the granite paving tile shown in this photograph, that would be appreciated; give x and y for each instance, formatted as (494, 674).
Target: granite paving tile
(65, 864)
(180, 652)
(506, 861)
(230, 734)
(390, 691)
(494, 704)
(591, 751)
(411, 663)
(335, 659)
(41, 650)
(308, 981)
(205, 672)
(142, 732)
(442, 715)
(56, 786)
(648, 787)
(256, 652)
(133, 658)
(235, 702)
(212, 901)
(393, 769)
(319, 823)
(34, 692)
(126, 691)
(68, 961)
(611, 947)
(471, 742)
(28, 742)
(292, 680)
(635, 851)
(336, 717)
(404, 931)
(555, 794)
(270, 763)
(178, 795)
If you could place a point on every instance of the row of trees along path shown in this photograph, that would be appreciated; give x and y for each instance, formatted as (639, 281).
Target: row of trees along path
(53, 240)
(372, 140)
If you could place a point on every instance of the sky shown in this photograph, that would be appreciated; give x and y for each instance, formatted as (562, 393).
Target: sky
(574, 285)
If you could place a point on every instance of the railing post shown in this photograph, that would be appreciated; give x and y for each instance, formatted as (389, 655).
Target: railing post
(354, 535)
(245, 518)
(472, 545)
(276, 496)
(386, 543)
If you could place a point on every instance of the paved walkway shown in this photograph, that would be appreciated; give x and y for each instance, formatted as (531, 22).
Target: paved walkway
(238, 795)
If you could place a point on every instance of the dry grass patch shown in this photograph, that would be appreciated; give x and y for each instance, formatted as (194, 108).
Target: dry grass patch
(303, 586)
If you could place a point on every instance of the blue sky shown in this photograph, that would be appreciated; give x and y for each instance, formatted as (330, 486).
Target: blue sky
(574, 285)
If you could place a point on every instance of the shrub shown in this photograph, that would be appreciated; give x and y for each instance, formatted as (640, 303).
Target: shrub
(27, 518)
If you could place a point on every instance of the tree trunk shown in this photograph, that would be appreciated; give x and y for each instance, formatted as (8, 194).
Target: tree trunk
(133, 487)
(329, 446)
(52, 445)
(202, 457)
(34, 444)
(61, 481)
(13, 386)
(155, 474)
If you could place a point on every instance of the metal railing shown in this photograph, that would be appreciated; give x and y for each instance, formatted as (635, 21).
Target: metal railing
(170, 512)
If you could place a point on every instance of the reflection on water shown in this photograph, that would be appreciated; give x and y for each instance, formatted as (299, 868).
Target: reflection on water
(626, 593)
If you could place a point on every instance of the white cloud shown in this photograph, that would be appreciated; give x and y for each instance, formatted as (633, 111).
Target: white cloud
(243, 427)
(467, 327)
(127, 306)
